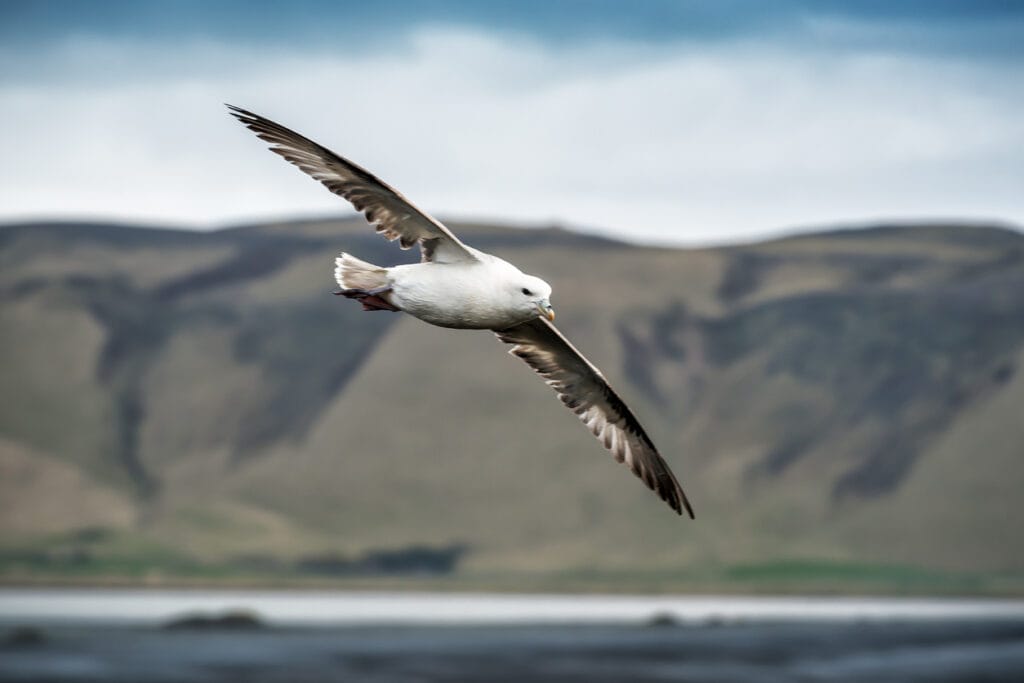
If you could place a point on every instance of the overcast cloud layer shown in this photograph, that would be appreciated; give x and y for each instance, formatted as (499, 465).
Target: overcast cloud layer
(681, 141)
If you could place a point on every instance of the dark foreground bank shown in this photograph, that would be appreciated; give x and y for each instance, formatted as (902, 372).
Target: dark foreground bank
(734, 652)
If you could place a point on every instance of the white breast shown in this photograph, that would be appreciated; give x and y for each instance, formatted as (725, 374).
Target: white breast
(460, 295)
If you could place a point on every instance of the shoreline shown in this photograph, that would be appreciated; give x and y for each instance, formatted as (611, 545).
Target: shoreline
(147, 606)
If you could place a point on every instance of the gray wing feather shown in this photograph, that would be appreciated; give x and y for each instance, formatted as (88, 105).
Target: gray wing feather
(393, 215)
(585, 391)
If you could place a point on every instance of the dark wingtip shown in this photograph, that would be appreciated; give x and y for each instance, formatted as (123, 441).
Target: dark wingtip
(686, 504)
(243, 115)
(677, 500)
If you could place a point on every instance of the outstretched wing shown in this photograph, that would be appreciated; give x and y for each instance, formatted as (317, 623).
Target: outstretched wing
(392, 214)
(584, 390)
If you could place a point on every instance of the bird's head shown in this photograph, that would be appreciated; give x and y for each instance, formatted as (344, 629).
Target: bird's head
(533, 297)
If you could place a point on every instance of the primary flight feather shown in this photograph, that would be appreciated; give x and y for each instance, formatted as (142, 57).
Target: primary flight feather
(460, 287)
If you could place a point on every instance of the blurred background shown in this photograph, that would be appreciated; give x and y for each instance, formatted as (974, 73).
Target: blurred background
(789, 233)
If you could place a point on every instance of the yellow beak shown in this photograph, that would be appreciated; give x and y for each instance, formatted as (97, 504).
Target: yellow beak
(545, 310)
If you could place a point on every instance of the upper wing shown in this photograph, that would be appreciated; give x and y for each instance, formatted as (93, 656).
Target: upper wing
(584, 390)
(390, 212)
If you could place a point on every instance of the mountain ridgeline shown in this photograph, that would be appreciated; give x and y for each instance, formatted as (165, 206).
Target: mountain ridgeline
(848, 401)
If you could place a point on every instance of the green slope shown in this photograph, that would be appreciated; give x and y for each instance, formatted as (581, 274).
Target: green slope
(842, 408)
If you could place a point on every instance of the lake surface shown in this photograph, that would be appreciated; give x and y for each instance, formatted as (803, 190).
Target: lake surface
(324, 608)
(114, 635)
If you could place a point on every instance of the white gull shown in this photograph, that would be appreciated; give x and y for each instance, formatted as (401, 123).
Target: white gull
(460, 287)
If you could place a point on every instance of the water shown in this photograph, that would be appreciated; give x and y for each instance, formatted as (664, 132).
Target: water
(324, 608)
(397, 638)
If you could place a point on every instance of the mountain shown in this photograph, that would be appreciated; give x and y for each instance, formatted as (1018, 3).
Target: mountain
(843, 409)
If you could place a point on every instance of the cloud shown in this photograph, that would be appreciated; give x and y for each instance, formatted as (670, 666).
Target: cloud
(978, 27)
(667, 142)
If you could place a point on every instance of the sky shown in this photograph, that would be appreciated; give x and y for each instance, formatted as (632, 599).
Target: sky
(659, 122)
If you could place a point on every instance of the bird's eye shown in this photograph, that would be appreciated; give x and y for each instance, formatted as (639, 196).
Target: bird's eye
(526, 291)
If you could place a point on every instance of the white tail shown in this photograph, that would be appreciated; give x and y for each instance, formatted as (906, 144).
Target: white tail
(351, 273)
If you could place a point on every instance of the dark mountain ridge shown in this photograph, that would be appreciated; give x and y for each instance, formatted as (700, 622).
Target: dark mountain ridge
(846, 396)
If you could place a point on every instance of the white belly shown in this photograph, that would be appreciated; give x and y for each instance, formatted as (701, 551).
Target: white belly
(452, 295)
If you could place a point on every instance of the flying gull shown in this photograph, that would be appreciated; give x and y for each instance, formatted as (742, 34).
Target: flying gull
(460, 287)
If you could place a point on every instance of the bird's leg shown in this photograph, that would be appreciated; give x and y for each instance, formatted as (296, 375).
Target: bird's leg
(371, 299)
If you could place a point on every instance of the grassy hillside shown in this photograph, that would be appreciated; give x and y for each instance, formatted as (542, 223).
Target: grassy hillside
(843, 409)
